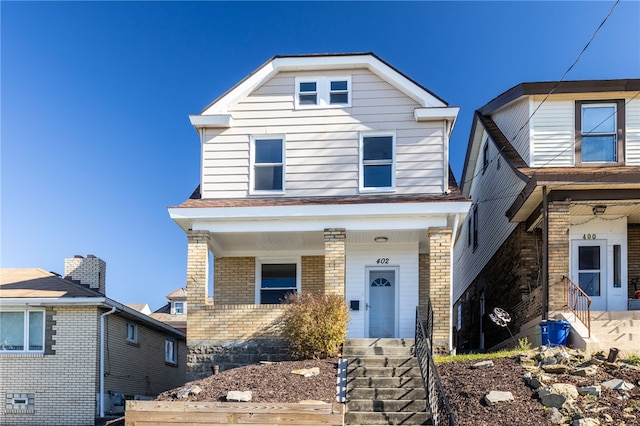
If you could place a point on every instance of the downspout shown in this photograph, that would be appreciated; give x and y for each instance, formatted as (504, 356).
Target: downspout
(113, 310)
(454, 235)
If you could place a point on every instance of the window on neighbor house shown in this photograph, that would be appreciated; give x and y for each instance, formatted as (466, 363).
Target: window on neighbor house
(268, 164)
(276, 281)
(132, 332)
(319, 92)
(22, 331)
(377, 165)
(459, 317)
(19, 403)
(170, 351)
(485, 156)
(473, 227)
(599, 132)
(178, 308)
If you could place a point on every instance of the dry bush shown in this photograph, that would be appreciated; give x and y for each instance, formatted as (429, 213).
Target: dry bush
(315, 324)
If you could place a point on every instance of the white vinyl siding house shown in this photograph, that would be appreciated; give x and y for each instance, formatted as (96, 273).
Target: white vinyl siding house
(322, 144)
(514, 123)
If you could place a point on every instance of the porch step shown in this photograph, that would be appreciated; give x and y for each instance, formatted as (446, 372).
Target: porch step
(384, 385)
(617, 329)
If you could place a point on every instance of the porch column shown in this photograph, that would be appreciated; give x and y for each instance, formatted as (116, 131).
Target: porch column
(334, 260)
(440, 287)
(558, 260)
(197, 270)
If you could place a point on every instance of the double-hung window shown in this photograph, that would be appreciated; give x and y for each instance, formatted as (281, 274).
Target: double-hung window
(276, 279)
(268, 155)
(323, 92)
(178, 308)
(599, 132)
(22, 331)
(377, 166)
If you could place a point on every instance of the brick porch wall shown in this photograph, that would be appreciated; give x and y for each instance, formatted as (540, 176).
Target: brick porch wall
(633, 259)
(234, 281)
(312, 274)
(558, 252)
(423, 283)
(334, 260)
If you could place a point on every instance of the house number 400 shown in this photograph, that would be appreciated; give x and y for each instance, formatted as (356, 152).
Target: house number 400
(383, 261)
(588, 236)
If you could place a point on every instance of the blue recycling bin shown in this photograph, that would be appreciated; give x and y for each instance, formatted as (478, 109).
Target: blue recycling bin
(555, 333)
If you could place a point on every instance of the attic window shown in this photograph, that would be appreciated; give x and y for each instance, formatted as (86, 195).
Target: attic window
(323, 92)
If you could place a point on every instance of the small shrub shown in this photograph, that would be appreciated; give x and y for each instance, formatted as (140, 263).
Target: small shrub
(523, 345)
(633, 359)
(315, 324)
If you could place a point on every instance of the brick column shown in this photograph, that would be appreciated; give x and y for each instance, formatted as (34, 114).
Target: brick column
(334, 260)
(558, 252)
(197, 269)
(440, 287)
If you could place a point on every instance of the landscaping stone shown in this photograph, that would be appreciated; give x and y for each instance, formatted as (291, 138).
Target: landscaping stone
(586, 422)
(189, 391)
(585, 371)
(590, 390)
(556, 416)
(557, 395)
(239, 396)
(556, 368)
(482, 365)
(618, 384)
(307, 372)
(495, 397)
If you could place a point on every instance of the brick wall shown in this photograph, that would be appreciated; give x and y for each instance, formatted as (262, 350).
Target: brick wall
(423, 282)
(511, 281)
(139, 368)
(312, 274)
(234, 280)
(64, 384)
(440, 286)
(334, 260)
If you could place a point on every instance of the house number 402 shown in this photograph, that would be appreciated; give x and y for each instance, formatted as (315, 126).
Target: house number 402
(383, 261)
(588, 236)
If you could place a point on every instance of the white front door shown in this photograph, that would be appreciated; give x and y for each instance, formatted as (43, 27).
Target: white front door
(382, 302)
(589, 270)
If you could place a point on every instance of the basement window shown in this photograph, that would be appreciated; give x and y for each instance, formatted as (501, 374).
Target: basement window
(19, 403)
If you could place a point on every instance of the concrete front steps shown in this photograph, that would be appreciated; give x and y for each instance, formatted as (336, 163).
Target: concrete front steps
(384, 384)
(609, 329)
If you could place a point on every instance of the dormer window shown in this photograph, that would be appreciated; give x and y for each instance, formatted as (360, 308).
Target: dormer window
(323, 92)
(178, 308)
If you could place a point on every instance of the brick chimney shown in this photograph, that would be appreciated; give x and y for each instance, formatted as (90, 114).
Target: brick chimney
(90, 271)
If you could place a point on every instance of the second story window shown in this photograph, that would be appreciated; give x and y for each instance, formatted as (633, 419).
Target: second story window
(485, 156)
(600, 138)
(377, 164)
(178, 308)
(308, 93)
(268, 164)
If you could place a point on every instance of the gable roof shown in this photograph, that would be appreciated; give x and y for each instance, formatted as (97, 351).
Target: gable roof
(321, 62)
(38, 283)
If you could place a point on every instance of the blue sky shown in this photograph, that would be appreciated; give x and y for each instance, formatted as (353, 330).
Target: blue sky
(95, 138)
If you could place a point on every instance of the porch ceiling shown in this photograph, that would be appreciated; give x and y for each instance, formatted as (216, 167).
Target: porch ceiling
(307, 243)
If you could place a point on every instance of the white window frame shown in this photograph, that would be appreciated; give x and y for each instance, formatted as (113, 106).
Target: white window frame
(267, 260)
(25, 332)
(170, 356)
(323, 91)
(132, 332)
(252, 174)
(361, 164)
(174, 307)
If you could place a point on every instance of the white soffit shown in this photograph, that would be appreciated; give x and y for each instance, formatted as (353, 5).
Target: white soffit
(436, 114)
(320, 63)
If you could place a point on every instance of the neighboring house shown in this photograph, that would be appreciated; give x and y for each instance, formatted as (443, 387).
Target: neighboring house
(174, 312)
(63, 343)
(319, 173)
(572, 149)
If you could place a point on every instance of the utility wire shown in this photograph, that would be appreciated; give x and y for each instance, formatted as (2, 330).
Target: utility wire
(512, 139)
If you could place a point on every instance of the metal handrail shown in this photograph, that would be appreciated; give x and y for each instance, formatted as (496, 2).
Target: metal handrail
(578, 302)
(441, 413)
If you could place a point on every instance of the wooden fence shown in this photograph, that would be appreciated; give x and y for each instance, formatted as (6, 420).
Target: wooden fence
(175, 413)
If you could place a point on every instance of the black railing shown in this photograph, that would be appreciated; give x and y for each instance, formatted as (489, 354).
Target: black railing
(441, 413)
